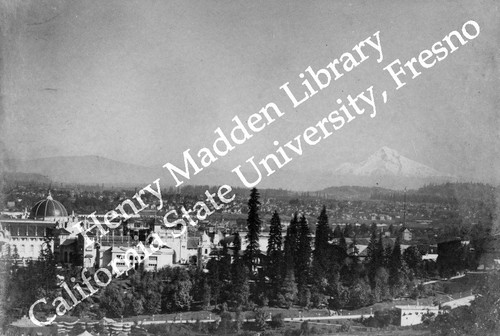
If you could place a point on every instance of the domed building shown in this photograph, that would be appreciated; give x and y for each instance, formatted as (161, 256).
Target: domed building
(49, 210)
(27, 236)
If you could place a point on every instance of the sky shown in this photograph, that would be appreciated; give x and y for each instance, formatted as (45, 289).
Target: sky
(142, 81)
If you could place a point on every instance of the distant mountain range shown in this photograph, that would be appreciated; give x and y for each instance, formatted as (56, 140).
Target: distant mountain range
(385, 168)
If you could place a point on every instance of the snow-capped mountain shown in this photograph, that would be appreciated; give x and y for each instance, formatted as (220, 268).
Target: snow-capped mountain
(388, 162)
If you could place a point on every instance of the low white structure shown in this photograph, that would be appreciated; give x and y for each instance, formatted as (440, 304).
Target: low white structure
(411, 315)
(430, 256)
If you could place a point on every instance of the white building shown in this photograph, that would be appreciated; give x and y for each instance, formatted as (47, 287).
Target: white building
(411, 315)
(133, 256)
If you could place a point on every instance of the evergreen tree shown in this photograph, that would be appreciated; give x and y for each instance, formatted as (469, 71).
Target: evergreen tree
(351, 273)
(337, 231)
(396, 271)
(381, 288)
(291, 242)
(383, 252)
(373, 241)
(339, 295)
(354, 251)
(223, 285)
(413, 260)
(375, 255)
(236, 246)
(386, 256)
(348, 231)
(392, 230)
(288, 291)
(364, 230)
(176, 294)
(134, 303)
(274, 262)
(303, 265)
(240, 288)
(152, 301)
(395, 259)
(225, 262)
(252, 252)
(321, 262)
(321, 245)
(343, 247)
(360, 294)
(214, 281)
(207, 295)
(112, 301)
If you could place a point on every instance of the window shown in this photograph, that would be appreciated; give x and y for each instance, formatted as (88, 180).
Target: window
(32, 249)
(22, 249)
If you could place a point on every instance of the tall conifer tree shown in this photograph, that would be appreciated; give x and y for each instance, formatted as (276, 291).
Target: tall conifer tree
(274, 265)
(381, 253)
(240, 287)
(303, 265)
(396, 267)
(291, 241)
(252, 252)
(343, 247)
(337, 231)
(375, 255)
(320, 254)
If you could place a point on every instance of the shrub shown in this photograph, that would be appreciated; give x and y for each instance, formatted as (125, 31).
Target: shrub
(383, 318)
(263, 300)
(428, 317)
(225, 323)
(246, 333)
(345, 326)
(270, 333)
(250, 305)
(260, 319)
(238, 323)
(292, 332)
(304, 328)
(277, 321)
